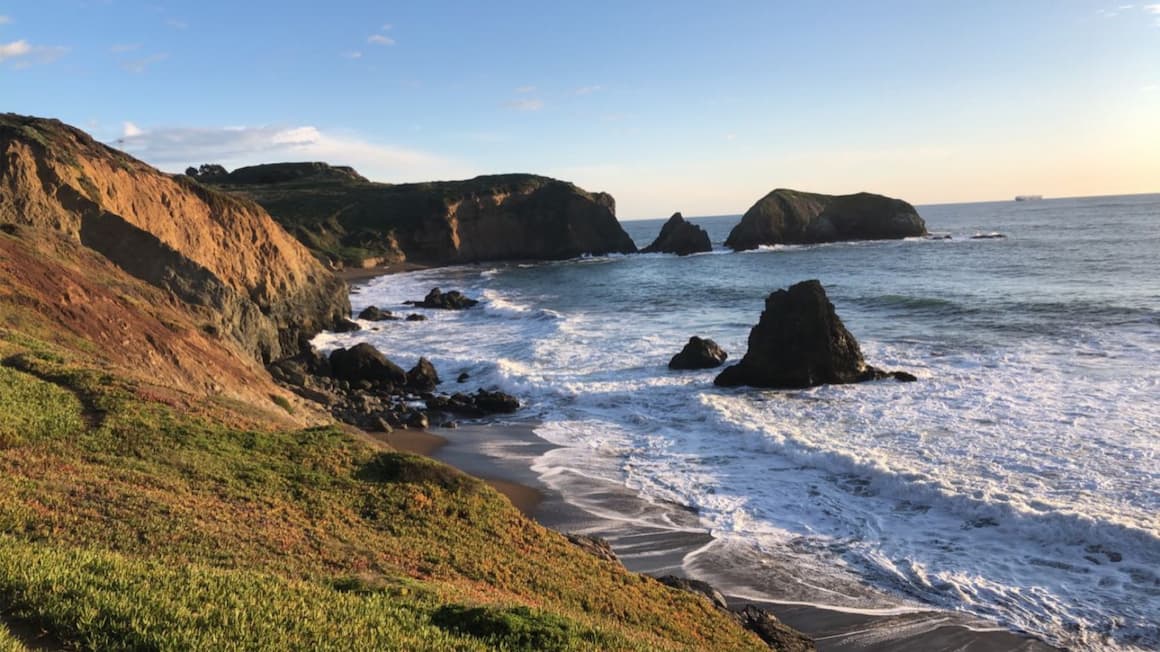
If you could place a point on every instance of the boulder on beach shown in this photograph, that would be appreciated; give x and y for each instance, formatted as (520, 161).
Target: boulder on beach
(800, 342)
(365, 362)
(439, 300)
(793, 217)
(696, 586)
(699, 353)
(776, 634)
(681, 237)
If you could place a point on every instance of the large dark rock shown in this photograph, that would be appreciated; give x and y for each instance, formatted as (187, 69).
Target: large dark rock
(437, 299)
(776, 634)
(799, 342)
(699, 354)
(422, 377)
(365, 362)
(481, 403)
(793, 217)
(680, 237)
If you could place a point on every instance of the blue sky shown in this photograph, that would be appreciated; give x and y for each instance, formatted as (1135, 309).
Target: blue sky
(690, 106)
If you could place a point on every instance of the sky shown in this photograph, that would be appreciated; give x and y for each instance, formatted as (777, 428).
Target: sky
(699, 107)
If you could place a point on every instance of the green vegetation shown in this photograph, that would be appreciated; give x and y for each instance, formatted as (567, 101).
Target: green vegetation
(127, 524)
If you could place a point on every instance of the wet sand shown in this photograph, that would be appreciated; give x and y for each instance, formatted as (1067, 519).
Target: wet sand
(661, 539)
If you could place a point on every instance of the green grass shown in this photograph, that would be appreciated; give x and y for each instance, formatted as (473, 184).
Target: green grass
(9, 643)
(32, 410)
(147, 528)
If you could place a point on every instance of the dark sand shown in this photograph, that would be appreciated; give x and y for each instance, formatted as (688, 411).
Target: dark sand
(503, 455)
(421, 442)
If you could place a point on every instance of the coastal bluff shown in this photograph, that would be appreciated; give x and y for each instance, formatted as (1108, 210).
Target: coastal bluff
(352, 222)
(262, 288)
(793, 217)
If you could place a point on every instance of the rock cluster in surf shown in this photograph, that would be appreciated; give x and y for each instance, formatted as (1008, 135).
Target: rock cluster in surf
(800, 342)
(699, 353)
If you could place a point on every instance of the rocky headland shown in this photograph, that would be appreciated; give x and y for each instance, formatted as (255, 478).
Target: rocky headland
(794, 217)
(352, 222)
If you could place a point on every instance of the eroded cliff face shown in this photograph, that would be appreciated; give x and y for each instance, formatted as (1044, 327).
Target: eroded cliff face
(344, 218)
(257, 285)
(794, 217)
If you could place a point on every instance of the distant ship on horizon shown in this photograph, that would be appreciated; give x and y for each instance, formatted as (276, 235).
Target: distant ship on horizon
(1028, 197)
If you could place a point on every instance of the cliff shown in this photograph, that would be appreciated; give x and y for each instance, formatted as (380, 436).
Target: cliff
(793, 217)
(345, 219)
(225, 255)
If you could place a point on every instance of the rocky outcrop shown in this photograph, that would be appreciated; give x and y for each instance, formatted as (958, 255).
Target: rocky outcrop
(593, 545)
(347, 220)
(696, 586)
(794, 217)
(681, 237)
(800, 342)
(699, 354)
(363, 362)
(776, 634)
(362, 387)
(439, 300)
(422, 377)
(221, 255)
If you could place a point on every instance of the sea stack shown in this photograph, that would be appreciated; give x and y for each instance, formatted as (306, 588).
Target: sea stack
(793, 217)
(800, 342)
(681, 237)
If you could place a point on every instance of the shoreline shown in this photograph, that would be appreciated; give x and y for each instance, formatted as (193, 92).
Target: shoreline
(668, 539)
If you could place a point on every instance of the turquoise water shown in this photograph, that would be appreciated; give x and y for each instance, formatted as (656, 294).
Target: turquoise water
(1017, 481)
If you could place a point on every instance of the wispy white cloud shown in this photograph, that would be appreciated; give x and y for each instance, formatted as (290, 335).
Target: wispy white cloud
(22, 54)
(587, 90)
(14, 49)
(524, 90)
(121, 48)
(352, 54)
(386, 27)
(527, 104)
(1152, 9)
(142, 64)
(379, 39)
(177, 23)
(176, 147)
(4, 20)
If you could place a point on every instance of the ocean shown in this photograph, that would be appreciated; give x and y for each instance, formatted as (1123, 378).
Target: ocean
(1017, 482)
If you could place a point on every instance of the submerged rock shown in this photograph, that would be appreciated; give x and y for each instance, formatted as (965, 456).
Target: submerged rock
(681, 237)
(800, 342)
(437, 299)
(374, 313)
(794, 217)
(699, 354)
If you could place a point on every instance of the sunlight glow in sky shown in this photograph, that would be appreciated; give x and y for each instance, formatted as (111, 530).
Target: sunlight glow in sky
(670, 106)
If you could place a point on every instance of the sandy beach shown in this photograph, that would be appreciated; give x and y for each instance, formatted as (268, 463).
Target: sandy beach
(503, 456)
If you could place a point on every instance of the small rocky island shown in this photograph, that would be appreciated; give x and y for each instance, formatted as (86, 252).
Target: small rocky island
(800, 342)
(794, 217)
(681, 237)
